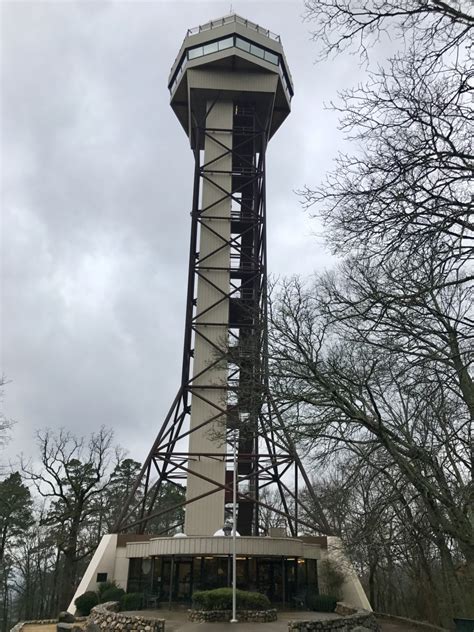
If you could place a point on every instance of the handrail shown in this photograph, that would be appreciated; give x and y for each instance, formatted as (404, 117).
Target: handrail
(228, 19)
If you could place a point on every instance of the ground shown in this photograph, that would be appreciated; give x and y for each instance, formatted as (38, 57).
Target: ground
(176, 621)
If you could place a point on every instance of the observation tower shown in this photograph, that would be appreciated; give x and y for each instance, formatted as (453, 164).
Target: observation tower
(231, 90)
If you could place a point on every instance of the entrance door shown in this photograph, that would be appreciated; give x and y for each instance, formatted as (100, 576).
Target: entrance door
(183, 575)
(165, 578)
(270, 578)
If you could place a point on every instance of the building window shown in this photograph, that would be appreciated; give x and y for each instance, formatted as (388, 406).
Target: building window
(226, 43)
(257, 51)
(195, 52)
(312, 577)
(213, 47)
(271, 57)
(242, 44)
(101, 577)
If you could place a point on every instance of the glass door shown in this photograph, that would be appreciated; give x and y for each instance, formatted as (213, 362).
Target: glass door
(183, 576)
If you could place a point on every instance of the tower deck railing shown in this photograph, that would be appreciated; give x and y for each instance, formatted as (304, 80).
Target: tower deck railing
(228, 19)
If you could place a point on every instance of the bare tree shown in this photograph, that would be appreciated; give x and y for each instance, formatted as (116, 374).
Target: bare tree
(73, 474)
(377, 356)
(388, 390)
(406, 189)
(436, 25)
(5, 423)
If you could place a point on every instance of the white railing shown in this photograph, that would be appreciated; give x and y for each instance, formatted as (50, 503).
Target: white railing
(229, 19)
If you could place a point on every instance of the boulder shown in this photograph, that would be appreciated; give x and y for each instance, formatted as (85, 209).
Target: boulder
(66, 617)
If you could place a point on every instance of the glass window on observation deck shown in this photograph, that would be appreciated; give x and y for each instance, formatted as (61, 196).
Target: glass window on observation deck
(257, 51)
(213, 47)
(242, 44)
(195, 52)
(273, 59)
(226, 43)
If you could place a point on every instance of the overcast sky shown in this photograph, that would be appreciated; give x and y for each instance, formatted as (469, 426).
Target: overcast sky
(96, 194)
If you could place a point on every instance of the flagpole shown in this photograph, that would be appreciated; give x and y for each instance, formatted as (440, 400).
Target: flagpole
(234, 534)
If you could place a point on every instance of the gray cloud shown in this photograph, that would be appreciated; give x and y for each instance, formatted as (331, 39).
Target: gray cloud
(96, 193)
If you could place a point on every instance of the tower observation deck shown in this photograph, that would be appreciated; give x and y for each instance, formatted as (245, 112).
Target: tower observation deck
(231, 89)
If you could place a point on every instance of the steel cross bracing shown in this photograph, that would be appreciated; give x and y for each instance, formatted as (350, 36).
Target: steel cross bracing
(266, 454)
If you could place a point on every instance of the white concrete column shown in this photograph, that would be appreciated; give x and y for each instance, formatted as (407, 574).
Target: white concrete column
(206, 516)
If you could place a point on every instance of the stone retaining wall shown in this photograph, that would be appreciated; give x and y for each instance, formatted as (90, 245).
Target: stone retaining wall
(105, 617)
(254, 616)
(350, 618)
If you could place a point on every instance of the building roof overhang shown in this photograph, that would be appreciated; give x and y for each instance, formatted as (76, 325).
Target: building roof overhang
(221, 545)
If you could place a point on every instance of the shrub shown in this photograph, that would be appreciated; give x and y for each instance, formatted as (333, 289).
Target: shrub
(84, 603)
(221, 599)
(114, 593)
(252, 600)
(103, 587)
(132, 601)
(322, 603)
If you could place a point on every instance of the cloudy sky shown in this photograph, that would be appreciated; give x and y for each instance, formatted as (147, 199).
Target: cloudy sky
(96, 194)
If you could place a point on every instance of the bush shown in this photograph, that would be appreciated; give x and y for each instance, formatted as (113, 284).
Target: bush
(221, 599)
(84, 603)
(114, 593)
(333, 577)
(132, 601)
(103, 586)
(322, 603)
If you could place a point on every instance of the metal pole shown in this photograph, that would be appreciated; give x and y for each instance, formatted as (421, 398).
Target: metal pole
(171, 582)
(234, 534)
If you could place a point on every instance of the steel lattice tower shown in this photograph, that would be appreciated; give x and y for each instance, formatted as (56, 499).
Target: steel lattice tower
(231, 90)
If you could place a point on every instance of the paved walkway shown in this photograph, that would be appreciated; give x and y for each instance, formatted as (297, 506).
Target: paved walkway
(392, 626)
(176, 621)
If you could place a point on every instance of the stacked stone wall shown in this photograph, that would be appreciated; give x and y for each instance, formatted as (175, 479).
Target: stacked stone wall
(349, 618)
(105, 617)
(253, 616)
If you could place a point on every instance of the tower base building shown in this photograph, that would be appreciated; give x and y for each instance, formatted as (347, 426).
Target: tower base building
(223, 443)
(167, 570)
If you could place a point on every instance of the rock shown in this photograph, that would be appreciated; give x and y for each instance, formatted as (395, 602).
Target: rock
(344, 609)
(66, 617)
